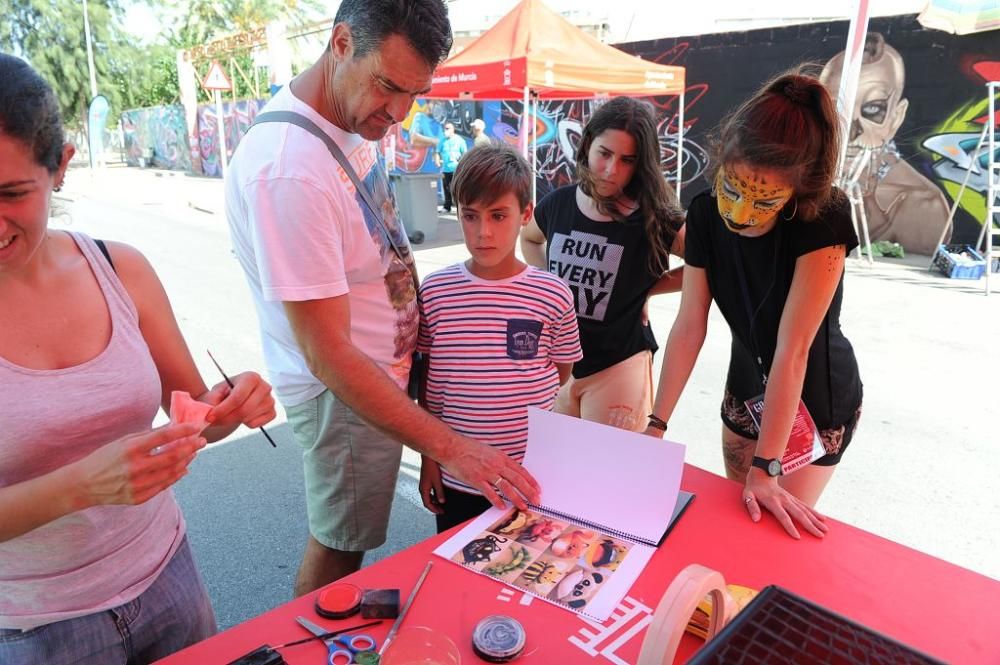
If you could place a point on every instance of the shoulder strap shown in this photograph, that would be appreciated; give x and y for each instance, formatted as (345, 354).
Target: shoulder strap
(104, 250)
(305, 123)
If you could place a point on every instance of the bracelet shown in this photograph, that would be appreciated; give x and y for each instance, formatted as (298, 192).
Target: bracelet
(657, 422)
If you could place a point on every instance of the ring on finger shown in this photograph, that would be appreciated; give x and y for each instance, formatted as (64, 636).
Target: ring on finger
(748, 499)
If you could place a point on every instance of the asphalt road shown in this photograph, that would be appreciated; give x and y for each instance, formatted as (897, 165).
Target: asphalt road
(921, 471)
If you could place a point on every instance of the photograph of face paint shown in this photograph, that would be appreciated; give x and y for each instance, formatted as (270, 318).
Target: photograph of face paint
(541, 531)
(511, 562)
(542, 575)
(482, 551)
(577, 588)
(572, 543)
(512, 523)
(605, 553)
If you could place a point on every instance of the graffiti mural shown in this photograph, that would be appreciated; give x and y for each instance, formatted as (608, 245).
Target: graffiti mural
(956, 145)
(238, 116)
(156, 136)
(920, 110)
(416, 137)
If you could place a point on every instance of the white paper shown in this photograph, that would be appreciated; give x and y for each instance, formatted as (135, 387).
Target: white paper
(622, 480)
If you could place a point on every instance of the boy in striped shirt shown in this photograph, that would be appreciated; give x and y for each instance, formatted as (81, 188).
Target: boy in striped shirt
(499, 335)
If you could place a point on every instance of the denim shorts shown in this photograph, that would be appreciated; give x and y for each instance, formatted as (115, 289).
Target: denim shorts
(350, 473)
(173, 613)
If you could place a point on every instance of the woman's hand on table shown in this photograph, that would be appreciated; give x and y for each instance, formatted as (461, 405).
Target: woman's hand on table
(135, 468)
(762, 490)
(248, 402)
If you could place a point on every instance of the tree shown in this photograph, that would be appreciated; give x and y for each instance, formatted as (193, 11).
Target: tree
(49, 34)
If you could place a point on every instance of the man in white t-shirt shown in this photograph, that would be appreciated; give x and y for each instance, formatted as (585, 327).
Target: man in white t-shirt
(336, 302)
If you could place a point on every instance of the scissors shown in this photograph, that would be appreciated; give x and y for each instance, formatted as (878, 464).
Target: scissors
(342, 649)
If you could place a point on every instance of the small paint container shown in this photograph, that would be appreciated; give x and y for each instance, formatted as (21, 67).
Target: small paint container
(498, 639)
(338, 601)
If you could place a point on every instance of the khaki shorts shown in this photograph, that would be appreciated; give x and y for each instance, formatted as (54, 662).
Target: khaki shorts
(620, 395)
(350, 474)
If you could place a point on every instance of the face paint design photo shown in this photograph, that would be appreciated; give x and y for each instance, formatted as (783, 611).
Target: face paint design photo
(481, 550)
(749, 199)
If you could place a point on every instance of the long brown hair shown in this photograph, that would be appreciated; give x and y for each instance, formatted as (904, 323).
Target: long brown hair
(657, 202)
(790, 125)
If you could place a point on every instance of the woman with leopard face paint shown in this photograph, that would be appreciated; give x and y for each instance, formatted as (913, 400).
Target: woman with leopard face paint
(767, 244)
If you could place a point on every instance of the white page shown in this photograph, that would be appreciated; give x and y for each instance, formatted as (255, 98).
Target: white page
(622, 480)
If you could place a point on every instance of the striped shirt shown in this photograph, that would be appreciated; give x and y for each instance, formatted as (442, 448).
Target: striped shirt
(493, 347)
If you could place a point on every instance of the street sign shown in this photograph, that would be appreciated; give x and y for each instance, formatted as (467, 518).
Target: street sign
(216, 79)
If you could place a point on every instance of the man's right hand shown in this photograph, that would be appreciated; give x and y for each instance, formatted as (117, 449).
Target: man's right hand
(489, 470)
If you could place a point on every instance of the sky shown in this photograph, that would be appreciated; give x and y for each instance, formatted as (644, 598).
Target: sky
(629, 20)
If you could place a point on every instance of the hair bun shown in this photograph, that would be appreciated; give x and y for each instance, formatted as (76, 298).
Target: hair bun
(796, 92)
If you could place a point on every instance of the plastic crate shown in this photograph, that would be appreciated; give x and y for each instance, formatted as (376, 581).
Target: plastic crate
(973, 266)
(781, 628)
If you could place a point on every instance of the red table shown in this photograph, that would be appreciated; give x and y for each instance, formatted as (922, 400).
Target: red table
(944, 610)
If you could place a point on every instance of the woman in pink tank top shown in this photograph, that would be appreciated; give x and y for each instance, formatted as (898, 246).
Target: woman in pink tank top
(94, 564)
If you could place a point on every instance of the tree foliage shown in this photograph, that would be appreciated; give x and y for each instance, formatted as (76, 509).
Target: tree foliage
(50, 35)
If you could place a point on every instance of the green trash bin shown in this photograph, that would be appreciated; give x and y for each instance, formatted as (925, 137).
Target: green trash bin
(417, 198)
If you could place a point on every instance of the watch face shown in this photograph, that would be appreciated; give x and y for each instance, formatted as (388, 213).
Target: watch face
(774, 467)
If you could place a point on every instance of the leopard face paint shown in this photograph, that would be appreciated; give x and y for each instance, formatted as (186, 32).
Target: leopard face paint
(749, 197)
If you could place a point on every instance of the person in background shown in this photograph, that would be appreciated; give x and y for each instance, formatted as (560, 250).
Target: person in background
(499, 335)
(449, 151)
(767, 244)
(609, 237)
(333, 281)
(479, 136)
(95, 565)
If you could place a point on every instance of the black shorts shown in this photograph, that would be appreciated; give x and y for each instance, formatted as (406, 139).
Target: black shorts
(736, 417)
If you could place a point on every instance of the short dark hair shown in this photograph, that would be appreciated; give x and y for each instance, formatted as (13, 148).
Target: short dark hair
(790, 125)
(29, 112)
(423, 23)
(487, 172)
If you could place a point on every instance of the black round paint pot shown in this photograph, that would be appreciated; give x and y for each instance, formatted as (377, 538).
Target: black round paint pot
(498, 639)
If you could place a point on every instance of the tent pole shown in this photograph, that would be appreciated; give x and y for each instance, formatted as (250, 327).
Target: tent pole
(534, 151)
(856, 34)
(524, 124)
(680, 145)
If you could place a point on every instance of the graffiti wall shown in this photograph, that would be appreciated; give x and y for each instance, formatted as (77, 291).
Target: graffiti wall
(921, 106)
(159, 131)
(238, 116)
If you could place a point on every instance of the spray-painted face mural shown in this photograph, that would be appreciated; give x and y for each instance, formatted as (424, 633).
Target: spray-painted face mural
(899, 203)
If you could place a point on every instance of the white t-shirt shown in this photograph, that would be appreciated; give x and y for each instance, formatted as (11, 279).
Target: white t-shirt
(301, 231)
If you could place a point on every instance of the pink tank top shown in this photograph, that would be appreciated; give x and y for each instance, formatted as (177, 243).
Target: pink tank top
(104, 556)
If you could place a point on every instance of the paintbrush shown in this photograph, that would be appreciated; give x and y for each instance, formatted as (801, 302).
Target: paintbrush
(230, 383)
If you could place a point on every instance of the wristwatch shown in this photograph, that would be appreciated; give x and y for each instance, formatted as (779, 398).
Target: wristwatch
(772, 466)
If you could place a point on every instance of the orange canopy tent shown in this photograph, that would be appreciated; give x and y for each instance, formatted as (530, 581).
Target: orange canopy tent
(533, 53)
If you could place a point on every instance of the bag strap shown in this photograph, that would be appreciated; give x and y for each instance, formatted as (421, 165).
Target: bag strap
(107, 255)
(305, 123)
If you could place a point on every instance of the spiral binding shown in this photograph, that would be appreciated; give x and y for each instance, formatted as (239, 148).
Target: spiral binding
(621, 535)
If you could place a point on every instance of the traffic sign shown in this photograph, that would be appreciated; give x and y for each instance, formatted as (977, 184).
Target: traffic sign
(216, 79)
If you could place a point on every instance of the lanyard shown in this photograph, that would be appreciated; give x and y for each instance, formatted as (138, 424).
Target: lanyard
(751, 312)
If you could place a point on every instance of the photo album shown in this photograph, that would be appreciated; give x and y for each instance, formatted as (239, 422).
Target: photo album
(609, 498)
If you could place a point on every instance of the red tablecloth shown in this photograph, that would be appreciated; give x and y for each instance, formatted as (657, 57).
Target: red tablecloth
(944, 610)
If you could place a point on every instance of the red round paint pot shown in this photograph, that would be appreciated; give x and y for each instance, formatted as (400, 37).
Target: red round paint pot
(338, 601)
